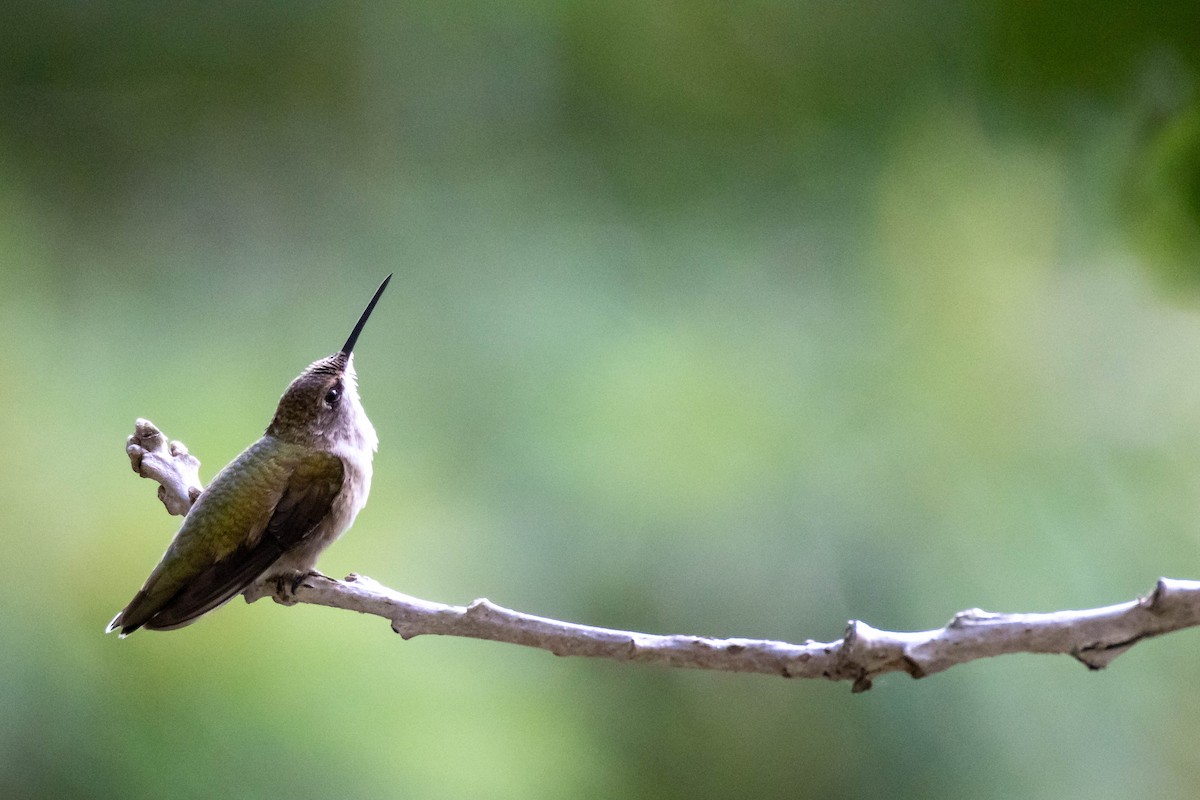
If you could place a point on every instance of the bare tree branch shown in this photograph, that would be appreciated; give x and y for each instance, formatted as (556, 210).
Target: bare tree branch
(1093, 636)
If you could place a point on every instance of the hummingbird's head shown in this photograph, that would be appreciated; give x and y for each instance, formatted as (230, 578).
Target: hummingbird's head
(321, 406)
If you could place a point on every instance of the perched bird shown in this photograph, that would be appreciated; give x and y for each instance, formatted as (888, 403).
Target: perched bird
(272, 510)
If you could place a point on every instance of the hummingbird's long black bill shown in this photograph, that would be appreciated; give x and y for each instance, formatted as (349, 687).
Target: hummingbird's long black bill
(348, 347)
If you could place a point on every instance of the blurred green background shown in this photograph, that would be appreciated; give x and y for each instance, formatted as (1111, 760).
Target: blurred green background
(739, 319)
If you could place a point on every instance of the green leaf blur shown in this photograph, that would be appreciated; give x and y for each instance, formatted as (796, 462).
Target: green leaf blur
(730, 319)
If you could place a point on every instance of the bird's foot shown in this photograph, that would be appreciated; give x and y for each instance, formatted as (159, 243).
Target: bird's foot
(287, 584)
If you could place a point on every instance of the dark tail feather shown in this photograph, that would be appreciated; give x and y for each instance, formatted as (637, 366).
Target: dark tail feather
(130, 618)
(216, 586)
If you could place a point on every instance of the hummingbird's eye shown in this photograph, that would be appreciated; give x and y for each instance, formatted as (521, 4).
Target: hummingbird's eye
(333, 395)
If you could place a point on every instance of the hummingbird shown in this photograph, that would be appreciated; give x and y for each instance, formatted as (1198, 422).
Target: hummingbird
(272, 510)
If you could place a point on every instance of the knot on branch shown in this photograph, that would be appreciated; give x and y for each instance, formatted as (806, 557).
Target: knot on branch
(169, 464)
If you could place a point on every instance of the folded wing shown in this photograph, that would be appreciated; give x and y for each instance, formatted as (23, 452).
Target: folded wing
(306, 500)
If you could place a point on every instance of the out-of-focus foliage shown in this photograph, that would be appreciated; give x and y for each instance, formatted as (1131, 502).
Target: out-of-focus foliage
(736, 319)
